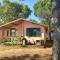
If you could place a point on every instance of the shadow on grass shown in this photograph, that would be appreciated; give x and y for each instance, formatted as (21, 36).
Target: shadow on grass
(27, 57)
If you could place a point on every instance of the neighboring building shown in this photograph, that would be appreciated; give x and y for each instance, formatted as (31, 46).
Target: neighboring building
(22, 27)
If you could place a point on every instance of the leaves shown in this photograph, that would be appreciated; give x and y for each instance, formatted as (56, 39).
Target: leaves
(33, 21)
(10, 11)
(43, 8)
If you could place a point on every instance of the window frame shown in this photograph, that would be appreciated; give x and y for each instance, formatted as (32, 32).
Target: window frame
(32, 33)
(11, 34)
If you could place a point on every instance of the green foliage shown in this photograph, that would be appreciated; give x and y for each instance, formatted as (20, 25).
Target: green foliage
(33, 20)
(43, 8)
(10, 41)
(10, 11)
(47, 23)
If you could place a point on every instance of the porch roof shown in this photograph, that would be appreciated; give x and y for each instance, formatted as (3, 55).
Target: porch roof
(17, 21)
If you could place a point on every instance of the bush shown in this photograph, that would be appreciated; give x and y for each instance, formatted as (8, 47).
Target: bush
(2, 40)
(10, 41)
(48, 43)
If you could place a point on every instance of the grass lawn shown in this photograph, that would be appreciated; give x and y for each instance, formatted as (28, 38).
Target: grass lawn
(22, 53)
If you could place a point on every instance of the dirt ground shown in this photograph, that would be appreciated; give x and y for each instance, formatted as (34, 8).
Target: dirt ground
(19, 53)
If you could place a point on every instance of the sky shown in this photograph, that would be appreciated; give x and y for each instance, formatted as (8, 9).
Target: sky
(30, 4)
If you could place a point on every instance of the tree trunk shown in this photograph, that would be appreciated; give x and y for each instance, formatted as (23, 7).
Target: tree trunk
(56, 42)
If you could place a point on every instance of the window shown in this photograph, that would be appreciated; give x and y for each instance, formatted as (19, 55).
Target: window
(13, 32)
(36, 32)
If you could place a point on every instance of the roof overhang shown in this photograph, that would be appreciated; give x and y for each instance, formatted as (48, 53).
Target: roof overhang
(16, 22)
